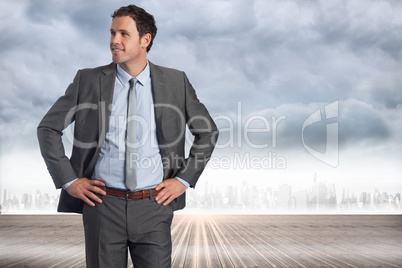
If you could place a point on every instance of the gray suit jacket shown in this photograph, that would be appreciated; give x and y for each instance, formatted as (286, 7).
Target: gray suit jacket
(86, 102)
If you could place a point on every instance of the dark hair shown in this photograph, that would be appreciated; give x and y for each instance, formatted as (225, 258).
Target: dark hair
(145, 22)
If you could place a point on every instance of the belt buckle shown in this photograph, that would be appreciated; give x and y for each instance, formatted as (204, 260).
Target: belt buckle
(127, 195)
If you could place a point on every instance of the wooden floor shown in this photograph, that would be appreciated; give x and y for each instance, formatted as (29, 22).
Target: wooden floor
(221, 241)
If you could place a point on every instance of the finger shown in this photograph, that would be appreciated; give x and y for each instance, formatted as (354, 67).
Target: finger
(170, 199)
(162, 196)
(160, 186)
(161, 193)
(96, 186)
(86, 200)
(94, 197)
(97, 182)
(159, 199)
(98, 190)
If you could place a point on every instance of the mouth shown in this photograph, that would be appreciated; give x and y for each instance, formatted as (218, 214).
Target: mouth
(116, 50)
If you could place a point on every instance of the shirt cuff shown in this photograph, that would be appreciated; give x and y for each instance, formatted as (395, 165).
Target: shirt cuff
(65, 186)
(184, 182)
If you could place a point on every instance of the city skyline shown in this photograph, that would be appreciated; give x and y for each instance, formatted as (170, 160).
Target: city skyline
(312, 86)
(319, 197)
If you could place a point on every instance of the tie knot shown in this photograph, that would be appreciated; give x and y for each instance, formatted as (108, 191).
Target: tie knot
(133, 81)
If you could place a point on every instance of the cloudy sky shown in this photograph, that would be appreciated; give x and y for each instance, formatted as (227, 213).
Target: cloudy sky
(265, 66)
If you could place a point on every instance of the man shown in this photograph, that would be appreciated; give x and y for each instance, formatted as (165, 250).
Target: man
(128, 171)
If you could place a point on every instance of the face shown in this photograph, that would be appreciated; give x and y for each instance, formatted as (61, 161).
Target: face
(126, 45)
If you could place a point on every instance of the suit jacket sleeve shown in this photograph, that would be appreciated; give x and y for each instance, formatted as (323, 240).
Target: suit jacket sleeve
(205, 132)
(50, 131)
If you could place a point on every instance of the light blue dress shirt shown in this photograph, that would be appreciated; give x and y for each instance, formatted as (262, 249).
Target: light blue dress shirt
(110, 165)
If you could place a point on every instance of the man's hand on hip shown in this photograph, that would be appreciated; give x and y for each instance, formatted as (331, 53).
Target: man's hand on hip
(170, 189)
(85, 190)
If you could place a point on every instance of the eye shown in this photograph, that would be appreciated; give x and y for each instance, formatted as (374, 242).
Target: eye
(124, 34)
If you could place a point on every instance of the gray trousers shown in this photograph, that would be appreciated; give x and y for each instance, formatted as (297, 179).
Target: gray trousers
(140, 225)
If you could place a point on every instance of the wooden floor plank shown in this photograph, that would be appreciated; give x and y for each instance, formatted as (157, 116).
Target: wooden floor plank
(219, 245)
(265, 255)
(180, 241)
(212, 254)
(221, 241)
(228, 241)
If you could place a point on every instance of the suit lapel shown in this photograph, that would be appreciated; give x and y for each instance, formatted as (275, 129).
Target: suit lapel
(106, 98)
(159, 92)
(160, 96)
(106, 88)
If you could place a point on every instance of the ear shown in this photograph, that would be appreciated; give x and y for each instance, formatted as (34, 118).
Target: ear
(146, 40)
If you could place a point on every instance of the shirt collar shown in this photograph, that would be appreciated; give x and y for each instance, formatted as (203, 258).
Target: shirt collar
(142, 77)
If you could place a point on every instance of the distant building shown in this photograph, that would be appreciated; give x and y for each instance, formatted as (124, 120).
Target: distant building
(284, 196)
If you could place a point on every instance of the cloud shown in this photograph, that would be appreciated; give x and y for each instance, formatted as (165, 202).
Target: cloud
(275, 58)
(40, 56)
(281, 52)
(360, 127)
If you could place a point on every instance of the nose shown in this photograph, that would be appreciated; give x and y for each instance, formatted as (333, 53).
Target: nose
(114, 39)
